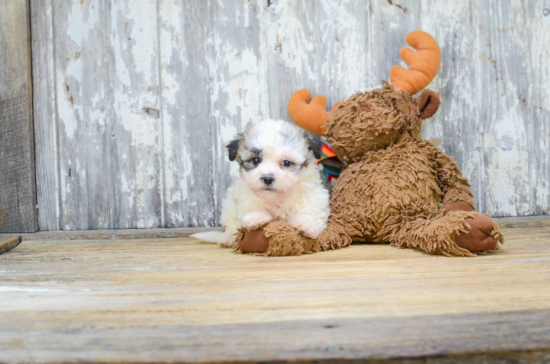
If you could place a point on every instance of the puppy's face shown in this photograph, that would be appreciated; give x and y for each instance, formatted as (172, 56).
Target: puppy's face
(273, 155)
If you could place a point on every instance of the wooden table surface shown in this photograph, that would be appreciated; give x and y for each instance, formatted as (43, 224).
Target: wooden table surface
(179, 300)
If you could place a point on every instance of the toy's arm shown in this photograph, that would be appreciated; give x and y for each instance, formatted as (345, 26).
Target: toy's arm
(455, 187)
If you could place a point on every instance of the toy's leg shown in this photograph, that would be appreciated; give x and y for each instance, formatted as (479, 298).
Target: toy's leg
(457, 233)
(276, 239)
(335, 235)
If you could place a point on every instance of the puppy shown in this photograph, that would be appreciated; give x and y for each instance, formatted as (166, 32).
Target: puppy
(279, 180)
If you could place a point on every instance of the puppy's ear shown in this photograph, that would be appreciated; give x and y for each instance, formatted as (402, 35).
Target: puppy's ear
(314, 143)
(233, 147)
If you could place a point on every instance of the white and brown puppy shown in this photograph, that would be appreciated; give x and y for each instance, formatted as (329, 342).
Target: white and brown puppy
(279, 180)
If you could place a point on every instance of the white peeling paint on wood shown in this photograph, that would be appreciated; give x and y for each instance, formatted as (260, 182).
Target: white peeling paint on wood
(454, 128)
(187, 153)
(84, 115)
(136, 139)
(503, 112)
(137, 99)
(537, 18)
(319, 45)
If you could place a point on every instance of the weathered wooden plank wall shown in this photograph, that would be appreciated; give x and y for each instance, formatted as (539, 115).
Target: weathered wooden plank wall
(135, 100)
(17, 169)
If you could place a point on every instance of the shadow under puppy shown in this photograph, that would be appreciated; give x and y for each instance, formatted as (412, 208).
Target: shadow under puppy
(279, 180)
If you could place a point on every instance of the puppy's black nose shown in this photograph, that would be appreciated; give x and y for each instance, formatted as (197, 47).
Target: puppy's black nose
(267, 180)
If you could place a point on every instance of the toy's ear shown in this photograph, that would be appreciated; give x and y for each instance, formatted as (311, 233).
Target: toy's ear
(233, 147)
(315, 144)
(428, 103)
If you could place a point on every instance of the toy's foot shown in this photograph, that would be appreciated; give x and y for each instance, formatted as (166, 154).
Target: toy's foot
(481, 235)
(253, 241)
(333, 237)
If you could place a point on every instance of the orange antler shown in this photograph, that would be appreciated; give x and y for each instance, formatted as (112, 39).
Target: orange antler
(309, 115)
(423, 64)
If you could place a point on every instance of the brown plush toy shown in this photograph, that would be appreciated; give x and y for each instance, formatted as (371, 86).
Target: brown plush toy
(397, 188)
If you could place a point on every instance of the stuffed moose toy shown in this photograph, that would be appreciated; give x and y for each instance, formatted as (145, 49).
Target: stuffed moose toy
(396, 188)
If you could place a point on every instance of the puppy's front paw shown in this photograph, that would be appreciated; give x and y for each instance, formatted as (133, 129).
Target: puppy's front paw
(255, 220)
(227, 240)
(306, 225)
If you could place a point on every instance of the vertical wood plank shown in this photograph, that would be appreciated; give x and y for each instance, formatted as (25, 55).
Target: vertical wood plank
(83, 106)
(45, 115)
(136, 118)
(17, 166)
(538, 32)
(108, 112)
(455, 126)
(184, 35)
(176, 154)
(505, 129)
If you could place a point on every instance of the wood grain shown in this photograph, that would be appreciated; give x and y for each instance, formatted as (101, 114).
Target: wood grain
(156, 90)
(186, 109)
(17, 167)
(537, 15)
(183, 301)
(454, 128)
(48, 187)
(503, 113)
(82, 120)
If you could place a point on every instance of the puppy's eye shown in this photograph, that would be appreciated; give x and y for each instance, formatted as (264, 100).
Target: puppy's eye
(256, 161)
(286, 163)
